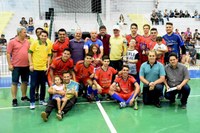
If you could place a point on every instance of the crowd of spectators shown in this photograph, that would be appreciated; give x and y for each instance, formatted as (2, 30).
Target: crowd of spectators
(157, 16)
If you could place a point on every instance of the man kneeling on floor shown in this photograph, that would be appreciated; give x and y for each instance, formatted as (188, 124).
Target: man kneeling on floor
(125, 89)
(71, 93)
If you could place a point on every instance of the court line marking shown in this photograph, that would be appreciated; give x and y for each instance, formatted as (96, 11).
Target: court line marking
(106, 118)
(81, 103)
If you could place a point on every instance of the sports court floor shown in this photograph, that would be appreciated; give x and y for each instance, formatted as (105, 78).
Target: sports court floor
(87, 117)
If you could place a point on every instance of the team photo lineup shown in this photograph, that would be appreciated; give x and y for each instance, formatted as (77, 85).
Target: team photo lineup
(99, 67)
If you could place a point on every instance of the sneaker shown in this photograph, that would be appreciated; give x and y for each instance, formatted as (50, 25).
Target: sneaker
(122, 105)
(44, 116)
(59, 116)
(32, 105)
(14, 102)
(42, 103)
(25, 98)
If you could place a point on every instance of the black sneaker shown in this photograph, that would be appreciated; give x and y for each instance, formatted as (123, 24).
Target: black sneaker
(25, 98)
(14, 102)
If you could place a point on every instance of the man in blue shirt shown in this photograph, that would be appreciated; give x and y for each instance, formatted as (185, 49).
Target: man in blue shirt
(93, 40)
(173, 42)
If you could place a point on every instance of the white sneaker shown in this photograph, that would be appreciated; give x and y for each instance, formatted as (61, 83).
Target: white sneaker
(32, 105)
(43, 103)
(122, 105)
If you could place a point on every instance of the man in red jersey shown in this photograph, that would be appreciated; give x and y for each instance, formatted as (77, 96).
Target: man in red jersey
(146, 29)
(61, 64)
(125, 88)
(60, 44)
(84, 71)
(138, 38)
(103, 76)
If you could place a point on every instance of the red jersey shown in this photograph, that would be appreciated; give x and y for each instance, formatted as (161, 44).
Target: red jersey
(59, 47)
(138, 39)
(58, 65)
(104, 78)
(126, 86)
(160, 58)
(82, 71)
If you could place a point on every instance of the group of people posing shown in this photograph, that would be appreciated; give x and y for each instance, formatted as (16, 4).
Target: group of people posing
(101, 64)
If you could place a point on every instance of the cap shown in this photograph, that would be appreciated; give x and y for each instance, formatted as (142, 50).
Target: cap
(116, 27)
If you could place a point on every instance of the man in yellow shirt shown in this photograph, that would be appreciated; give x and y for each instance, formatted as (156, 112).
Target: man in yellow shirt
(117, 48)
(39, 60)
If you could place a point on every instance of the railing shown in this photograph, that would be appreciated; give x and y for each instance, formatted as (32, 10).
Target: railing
(99, 20)
(4, 72)
(51, 25)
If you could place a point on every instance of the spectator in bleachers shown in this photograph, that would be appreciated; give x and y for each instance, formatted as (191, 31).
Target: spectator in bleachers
(177, 32)
(171, 14)
(166, 15)
(61, 43)
(104, 37)
(188, 36)
(23, 22)
(30, 25)
(181, 14)
(176, 14)
(187, 15)
(160, 17)
(121, 19)
(76, 46)
(196, 14)
(46, 27)
(154, 17)
(3, 41)
(196, 36)
(17, 58)
(183, 36)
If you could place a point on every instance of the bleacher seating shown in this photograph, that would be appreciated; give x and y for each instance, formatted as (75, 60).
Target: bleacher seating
(5, 19)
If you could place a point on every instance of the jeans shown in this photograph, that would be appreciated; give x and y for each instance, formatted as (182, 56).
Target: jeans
(152, 96)
(38, 78)
(185, 91)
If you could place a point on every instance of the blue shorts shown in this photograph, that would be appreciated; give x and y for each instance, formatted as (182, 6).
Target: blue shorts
(57, 96)
(20, 71)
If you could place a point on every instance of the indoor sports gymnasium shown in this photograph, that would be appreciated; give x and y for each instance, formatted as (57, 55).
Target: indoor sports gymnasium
(30, 61)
